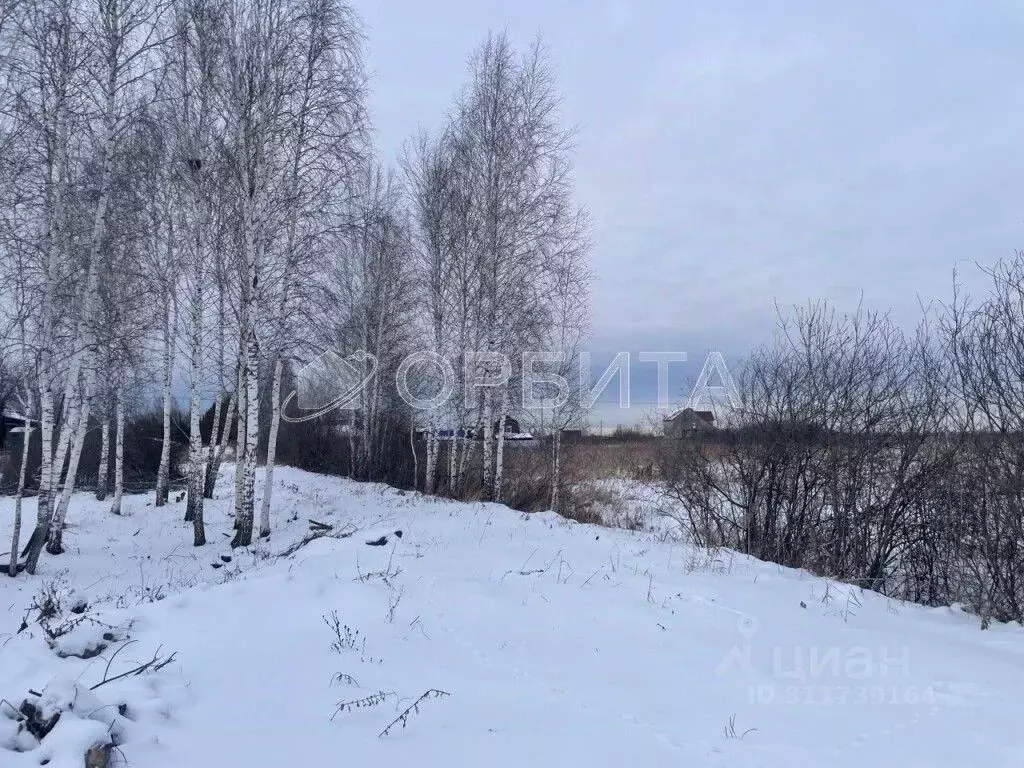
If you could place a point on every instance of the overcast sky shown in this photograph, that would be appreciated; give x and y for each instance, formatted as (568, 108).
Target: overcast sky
(734, 155)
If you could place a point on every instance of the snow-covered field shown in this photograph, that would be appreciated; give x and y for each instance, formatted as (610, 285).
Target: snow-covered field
(557, 644)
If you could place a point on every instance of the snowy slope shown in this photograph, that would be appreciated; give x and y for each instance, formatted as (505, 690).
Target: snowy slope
(559, 644)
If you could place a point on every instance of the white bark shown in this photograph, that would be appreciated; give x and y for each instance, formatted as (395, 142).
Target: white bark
(164, 471)
(244, 521)
(65, 423)
(45, 481)
(211, 454)
(488, 447)
(214, 469)
(12, 567)
(197, 458)
(55, 540)
(101, 479)
(114, 26)
(499, 468)
(469, 447)
(453, 450)
(352, 443)
(115, 506)
(415, 457)
(35, 545)
(431, 464)
(240, 439)
(275, 424)
(50, 52)
(556, 469)
(245, 488)
(84, 336)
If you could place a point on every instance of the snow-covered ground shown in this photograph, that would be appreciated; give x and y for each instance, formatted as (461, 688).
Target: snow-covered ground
(558, 644)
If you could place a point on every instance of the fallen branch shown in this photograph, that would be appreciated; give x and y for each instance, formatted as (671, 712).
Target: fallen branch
(318, 533)
(156, 663)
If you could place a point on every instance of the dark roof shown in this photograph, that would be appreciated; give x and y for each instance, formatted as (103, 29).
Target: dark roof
(708, 416)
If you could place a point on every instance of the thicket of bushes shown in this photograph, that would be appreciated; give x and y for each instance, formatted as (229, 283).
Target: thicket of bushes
(889, 460)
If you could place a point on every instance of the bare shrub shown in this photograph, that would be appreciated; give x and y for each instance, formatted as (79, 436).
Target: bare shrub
(841, 434)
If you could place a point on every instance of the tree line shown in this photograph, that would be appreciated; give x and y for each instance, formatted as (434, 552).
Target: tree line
(190, 196)
(893, 460)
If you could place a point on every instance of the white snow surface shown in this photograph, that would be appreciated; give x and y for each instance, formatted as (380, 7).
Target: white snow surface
(560, 644)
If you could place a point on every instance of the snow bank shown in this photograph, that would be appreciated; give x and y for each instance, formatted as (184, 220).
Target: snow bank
(548, 643)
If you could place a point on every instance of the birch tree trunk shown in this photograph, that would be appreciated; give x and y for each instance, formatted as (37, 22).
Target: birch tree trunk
(101, 479)
(67, 425)
(66, 421)
(196, 458)
(556, 469)
(431, 468)
(469, 447)
(372, 443)
(215, 427)
(352, 443)
(214, 469)
(244, 520)
(38, 539)
(240, 439)
(26, 440)
(275, 425)
(115, 506)
(366, 409)
(49, 76)
(63, 415)
(415, 458)
(220, 432)
(488, 448)
(163, 478)
(246, 466)
(113, 35)
(55, 540)
(453, 450)
(499, 469)
(197, 463)
(314, 43)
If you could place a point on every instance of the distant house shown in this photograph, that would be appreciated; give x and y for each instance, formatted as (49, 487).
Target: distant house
(572, 435)
(9, 423)
(687, 421)
(511, 426)
(513, 431)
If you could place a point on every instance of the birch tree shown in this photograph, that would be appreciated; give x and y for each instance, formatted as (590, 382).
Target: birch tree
(16, 305)
(326, 122)
(194, 57)
(369, 284)
(447, 278)
(119, 416)
(259, 77)
(19, 493)
(104, 467)
(46, 68)
(570, 315)
(120, 36)
(514, 158)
